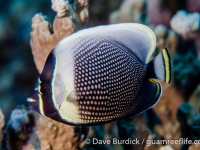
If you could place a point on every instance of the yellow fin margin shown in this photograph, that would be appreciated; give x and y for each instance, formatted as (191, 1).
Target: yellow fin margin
(152, 37)
(167, 62)
(159, 88)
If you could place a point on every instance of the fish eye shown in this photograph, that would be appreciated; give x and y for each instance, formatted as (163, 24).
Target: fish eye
(44, 89)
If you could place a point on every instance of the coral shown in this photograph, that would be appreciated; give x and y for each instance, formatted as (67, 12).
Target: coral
(167, 147)
(186, 24)
(193, 5)
(71, 16)
(149, 145)
(17, 68)
(130, 11)
(19, 128)
(2, 122)
(167, 106)
(195, 126)
(97, 132)
(166, 109)
(53, 135)
(153, 120)
(185, 75)
(186, 114)
(169, 131)
(46, 134)
(194, 147)
(157, 13)
(185, 80)
(61, 7)
(77, 9)
(185, 60)
(195, 99)
(166, 38)
(133, 128)
(161, 11)
(186, 68)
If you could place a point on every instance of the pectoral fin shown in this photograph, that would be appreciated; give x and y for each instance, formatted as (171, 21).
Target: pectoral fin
(72, 96)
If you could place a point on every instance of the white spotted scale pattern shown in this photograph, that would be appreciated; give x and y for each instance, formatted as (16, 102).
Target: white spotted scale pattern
(108, 77)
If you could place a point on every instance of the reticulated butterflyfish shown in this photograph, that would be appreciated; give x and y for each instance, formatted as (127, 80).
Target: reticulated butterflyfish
(101, 74)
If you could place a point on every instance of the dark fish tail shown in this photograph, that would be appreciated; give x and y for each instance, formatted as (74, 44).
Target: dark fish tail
(160, 67)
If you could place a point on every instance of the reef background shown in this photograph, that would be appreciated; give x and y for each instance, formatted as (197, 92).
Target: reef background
(177, 113)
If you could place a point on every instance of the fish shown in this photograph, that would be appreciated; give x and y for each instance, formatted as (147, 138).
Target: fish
(101, 74)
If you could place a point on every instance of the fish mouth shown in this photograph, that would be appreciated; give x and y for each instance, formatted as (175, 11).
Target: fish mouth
(32, 102)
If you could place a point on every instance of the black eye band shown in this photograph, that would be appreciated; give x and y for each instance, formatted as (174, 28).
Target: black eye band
(44, 89)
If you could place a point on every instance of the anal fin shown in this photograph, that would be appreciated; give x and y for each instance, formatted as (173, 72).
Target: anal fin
(148, 96)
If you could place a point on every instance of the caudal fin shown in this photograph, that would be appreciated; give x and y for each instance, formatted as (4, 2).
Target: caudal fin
(160, 67)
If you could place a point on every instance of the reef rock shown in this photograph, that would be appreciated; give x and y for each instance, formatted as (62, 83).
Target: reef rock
(2, 122)
(186, 24)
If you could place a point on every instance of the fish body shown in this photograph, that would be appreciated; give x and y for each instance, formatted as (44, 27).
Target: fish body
(100, 75)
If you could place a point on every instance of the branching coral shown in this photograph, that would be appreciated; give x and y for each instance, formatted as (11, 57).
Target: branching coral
(58, 136)
(167, 106)
(185, 67)
(165, 39)
(74, 9)
(71, 16)
(185, 78)
(130, 11)
(2, 122)
(47, 135)
(166, 109)
(169, 131)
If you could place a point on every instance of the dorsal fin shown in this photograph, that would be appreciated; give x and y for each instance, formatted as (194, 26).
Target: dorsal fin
(139, 38)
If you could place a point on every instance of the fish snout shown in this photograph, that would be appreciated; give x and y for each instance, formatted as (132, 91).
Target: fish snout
(32, 102)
